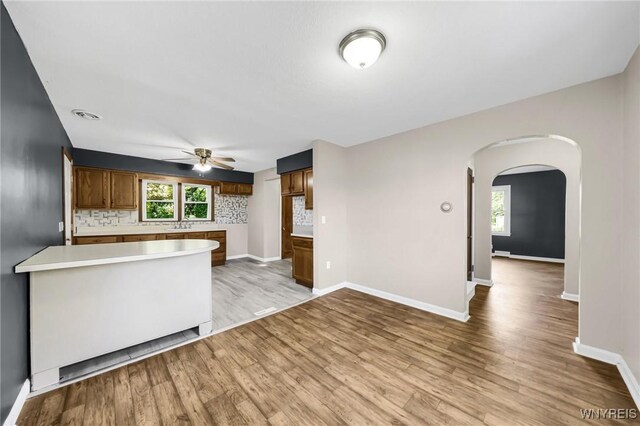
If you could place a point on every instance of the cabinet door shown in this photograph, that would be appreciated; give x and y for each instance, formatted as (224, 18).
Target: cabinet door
(96, 240)
(124, 190)
(141, 237)
(92, 188)
(245, 189)
(302, 261)
(308, 189)
(196, 235)
(285, 184)
(219, 255)
(228, 188)
(297, 183)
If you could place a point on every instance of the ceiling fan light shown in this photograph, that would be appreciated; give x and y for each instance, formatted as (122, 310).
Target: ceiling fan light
(362, 48)
(201, 167)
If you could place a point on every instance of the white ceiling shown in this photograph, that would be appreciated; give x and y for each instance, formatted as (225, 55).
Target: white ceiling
(261, 80)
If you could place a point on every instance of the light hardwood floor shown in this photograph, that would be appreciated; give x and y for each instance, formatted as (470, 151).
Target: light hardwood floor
(349, 358)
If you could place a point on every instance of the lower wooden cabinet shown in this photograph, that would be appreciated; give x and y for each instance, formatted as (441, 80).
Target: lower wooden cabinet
(302, 260)
(218, 256)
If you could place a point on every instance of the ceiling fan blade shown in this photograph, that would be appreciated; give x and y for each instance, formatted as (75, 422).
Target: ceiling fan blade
(178, 159)
(222, 165)
(229, 159)
(190, 153)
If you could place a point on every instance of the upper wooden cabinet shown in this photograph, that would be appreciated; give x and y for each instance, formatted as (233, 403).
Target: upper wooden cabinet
(232, 188)
(91, 188)
(308, 189)
(124, 190)
(104, 189)
(292, 183)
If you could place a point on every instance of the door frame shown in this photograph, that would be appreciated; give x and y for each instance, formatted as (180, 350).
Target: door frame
(286, 204)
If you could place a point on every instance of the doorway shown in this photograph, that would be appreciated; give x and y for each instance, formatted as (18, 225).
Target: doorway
(67, 195)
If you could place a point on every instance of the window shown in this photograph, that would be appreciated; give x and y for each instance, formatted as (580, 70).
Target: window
(196, 202)
(159, 200)
(501, 210)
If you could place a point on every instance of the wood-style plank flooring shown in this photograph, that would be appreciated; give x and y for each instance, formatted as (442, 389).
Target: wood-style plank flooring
(349, 358)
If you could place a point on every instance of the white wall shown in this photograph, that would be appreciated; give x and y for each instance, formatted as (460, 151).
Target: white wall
(264, 216)
(491, 161)
(237, 238)
(329, 200)
(400, 242)
(630, 300)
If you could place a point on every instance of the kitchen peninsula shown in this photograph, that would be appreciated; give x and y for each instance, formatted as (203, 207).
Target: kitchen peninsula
(89, 300)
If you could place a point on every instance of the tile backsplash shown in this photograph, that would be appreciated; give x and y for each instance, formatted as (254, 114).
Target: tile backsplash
(301, 217)
(229, 209)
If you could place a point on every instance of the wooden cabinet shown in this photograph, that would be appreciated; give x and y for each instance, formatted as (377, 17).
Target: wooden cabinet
(142, 237)
(292, 183)
(176, 236)
(302, 260)
(308, 189)
(124, 190)
(91, 188)
(96, 240)
(196, 235)
(104, 189)
(218, 256)
(232, 188)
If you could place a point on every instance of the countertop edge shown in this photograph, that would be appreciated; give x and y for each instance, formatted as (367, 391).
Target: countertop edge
(111, 260)
(302, 235)
(142, 232)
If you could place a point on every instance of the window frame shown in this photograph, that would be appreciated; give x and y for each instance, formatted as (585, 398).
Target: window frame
(209, 202)
(507, 210)
(143, 205)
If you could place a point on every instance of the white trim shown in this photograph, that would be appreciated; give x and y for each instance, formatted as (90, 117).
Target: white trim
(323, 291)
(438, 310)
(445, 312)
(537, 259)
(611, 358)
(471, 290)
(237, 256)
(596, 353)
(482, 281)
(263, 259)
(570, 296)
(143, 207)
(12, 418)
(209, 202)
(501, 253)
(631, 381)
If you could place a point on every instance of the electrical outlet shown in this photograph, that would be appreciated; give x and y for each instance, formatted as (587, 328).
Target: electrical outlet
(323, 219)
(60, 226)
(328, 264)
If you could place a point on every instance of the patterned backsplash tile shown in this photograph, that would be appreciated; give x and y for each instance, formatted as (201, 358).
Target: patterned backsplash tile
(228, 210)
(301, 217)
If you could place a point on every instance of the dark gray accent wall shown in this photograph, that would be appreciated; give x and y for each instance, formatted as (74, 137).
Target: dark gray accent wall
(107, 160)
(31, 206)
(537, 214)
(299, 161)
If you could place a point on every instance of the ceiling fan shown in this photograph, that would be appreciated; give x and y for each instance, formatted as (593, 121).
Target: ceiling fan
(205, 160)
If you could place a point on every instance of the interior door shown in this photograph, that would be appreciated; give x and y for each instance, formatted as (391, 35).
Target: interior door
(469, 224)
(67, 194)
(287, 227)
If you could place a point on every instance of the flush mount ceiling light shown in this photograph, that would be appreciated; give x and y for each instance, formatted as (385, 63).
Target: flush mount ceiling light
(86, 114)
(362, 48)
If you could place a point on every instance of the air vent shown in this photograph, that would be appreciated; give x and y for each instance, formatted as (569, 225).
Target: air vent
(86, 114)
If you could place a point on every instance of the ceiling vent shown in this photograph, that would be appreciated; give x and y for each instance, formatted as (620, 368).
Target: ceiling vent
(86, 114)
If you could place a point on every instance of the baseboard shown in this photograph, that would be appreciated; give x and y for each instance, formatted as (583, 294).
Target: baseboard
(611, 358)
(263, 259)
(631, 381)
(471, 290)
(323, 291)
(445, 312)
(570, 296)
(536, 259)
(482, 281)
(237, 256)
(12, 418)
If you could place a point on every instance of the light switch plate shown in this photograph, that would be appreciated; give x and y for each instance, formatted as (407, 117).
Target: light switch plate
(328, 264)
(323, 219)
(60, 226)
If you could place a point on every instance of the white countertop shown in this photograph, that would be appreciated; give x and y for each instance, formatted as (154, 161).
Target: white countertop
(302, 235)
(62, 257)
(95, 231)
